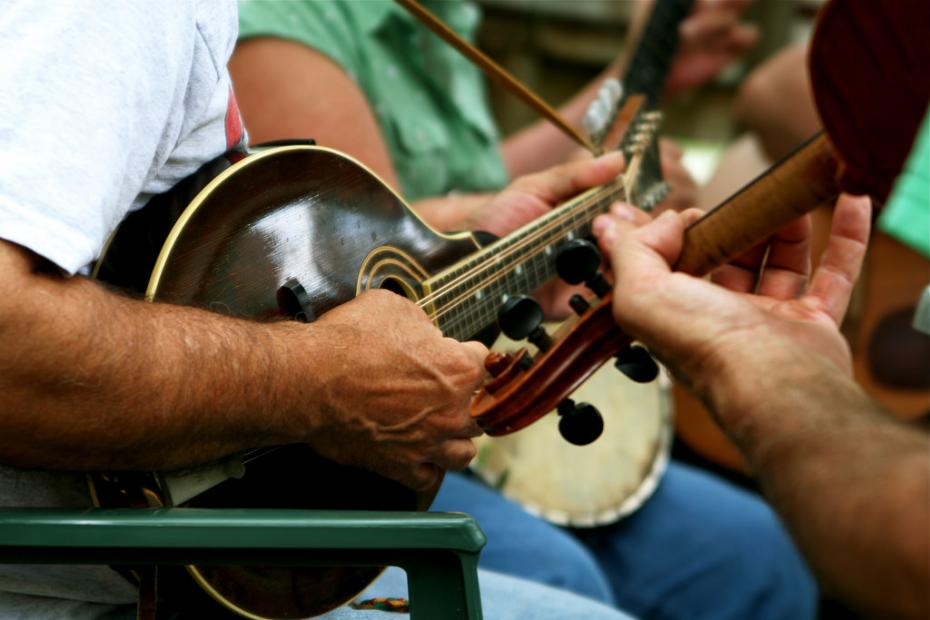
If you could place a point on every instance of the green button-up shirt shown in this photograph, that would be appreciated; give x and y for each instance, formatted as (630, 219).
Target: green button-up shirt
(431, 103)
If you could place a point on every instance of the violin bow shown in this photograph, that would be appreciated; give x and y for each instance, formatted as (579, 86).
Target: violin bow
(497, 73)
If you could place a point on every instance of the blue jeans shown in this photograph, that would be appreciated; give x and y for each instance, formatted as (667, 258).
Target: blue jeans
(698, 548)
(502, 598)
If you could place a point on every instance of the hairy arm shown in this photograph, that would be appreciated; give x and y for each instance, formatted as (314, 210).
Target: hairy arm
(90, 379)
(851, 482)
(763, 350)
(93, 380)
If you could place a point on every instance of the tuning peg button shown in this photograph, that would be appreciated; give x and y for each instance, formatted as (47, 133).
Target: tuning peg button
(519, 317)
(579, 261)
(636, 363)
(579, 304)
(580, 424)
(294, 301)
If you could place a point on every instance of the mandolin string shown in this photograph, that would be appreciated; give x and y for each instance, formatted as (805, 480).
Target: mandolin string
(608, 192)
(500, 272)
(558, 220)
(556, 217)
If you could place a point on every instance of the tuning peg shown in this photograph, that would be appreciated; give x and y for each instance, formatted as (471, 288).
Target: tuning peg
(520, 317)
(595, 118)
(601, 110)
(579, 304)
(294, 301)
(580, 424)
(612, 89)
(579, 261)
(636, 363)
(654, 195)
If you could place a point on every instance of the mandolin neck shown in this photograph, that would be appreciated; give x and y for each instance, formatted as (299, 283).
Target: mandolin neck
(465, 298)
(797, 185)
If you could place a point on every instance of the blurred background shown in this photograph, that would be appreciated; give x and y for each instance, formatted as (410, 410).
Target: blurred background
(557, 46)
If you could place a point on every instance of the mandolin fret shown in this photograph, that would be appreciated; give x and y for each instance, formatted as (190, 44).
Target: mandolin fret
(465, 298)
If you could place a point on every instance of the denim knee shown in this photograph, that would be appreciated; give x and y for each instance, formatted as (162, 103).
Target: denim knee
(524, 545)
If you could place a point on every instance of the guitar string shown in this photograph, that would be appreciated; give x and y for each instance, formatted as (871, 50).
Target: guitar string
(465, 296)
(563, 211)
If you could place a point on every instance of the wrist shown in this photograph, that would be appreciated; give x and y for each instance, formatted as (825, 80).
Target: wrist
(759, 393)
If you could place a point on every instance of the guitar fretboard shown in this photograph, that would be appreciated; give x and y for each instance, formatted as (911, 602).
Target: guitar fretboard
(465, 298)
(649, 65)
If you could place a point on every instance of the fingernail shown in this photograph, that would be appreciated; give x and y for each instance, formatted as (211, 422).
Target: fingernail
(605, 228)
(613, 157)
(623, 211)
(603, 225)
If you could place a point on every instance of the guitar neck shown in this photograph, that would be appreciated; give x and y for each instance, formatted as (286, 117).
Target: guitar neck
(465, 298)
(650, 63)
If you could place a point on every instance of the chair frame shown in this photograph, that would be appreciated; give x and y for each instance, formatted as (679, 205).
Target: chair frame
(438, 551)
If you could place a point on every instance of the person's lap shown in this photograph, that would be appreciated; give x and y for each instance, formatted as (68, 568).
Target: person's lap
(521, 544)
(698, 548)
(503, 597)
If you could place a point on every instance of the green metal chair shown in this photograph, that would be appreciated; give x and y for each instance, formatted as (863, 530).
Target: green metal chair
(438, 551)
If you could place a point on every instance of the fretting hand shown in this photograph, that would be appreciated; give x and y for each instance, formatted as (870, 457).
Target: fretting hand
(397, 393)
(699, 328)
(532, 195)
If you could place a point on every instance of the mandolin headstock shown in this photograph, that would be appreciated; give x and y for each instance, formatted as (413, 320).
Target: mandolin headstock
(632, 128)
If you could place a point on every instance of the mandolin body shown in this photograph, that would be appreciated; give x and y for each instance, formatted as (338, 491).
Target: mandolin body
(324, 228)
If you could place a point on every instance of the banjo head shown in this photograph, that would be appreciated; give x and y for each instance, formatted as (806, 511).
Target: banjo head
(592, 485)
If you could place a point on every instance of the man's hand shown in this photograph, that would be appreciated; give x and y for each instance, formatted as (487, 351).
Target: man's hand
(530, 196)
(740, 318)
(396, 393)
(711, 38)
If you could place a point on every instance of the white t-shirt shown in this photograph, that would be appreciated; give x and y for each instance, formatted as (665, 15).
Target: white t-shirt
(104, 104)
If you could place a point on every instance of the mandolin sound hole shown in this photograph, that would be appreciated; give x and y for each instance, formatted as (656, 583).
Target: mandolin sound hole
(396, 285)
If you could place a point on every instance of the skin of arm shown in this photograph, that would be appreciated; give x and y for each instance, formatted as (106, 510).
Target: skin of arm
(277, 86)
(90, 379)
(851, 483)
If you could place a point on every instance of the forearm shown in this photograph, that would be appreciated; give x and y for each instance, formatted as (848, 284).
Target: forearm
(92, 380)
(852, 484)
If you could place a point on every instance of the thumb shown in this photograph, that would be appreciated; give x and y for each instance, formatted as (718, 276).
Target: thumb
(645, 252)
(564, 181)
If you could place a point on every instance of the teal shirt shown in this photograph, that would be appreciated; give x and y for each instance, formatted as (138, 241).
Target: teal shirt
(906, 217)
(430, 103)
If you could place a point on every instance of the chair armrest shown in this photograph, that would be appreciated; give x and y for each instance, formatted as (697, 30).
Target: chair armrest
(439, 551)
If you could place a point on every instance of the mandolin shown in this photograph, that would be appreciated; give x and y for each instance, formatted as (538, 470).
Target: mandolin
(290, 232)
